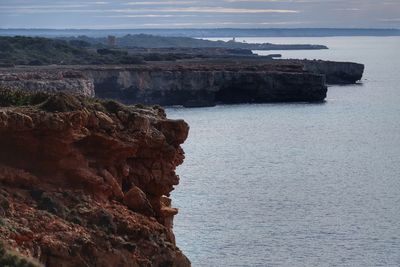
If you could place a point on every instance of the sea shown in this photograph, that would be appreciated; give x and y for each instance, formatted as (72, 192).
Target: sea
(298, 184)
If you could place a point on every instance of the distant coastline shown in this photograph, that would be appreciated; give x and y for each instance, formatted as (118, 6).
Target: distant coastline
(218, 32)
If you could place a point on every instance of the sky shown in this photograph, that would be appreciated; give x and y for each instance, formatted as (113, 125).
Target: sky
(119, 14)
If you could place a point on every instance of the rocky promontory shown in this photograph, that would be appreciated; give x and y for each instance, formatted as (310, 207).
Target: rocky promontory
(335, 72)
(167, 70)
(193, 82)
(86, 182)
(206, 84)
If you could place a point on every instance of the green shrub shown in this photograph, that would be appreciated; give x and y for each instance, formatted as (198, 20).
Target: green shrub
(61, 102)
(105, 51)
(112, 106)
(18, 98)
(43, 51)
(13, 259)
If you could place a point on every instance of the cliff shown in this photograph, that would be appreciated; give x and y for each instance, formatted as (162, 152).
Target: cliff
(38, 80)
(201, 82)
(85, 182)
(335, 72)
(231, 80)
(193, 83)
(206, 87)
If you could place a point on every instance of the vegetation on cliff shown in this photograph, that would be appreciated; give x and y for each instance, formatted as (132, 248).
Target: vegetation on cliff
(86, 181)
(61, 102)
(37, 51)
(10, 98)
(42, 51)
(153, 41)
(13, 259)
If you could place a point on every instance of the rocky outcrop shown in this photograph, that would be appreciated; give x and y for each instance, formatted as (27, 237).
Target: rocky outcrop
(335, 72)
(86, 182)
(47, 81)
(191, 83)
(206, 87)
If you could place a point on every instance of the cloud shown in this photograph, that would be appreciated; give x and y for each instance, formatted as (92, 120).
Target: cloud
(203, 13)
(162, 3)
(276, 1)
(222, 23)
(19, 7)
(145, 16)
(217, 10)
(348, 9)
(73, 9)
(390, 20)
(191, 25)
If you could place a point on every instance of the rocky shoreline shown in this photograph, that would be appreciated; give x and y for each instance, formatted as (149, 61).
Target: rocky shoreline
(85, 182)
(191, 82)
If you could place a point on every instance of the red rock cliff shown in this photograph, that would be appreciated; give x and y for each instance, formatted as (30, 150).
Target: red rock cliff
(86, 182)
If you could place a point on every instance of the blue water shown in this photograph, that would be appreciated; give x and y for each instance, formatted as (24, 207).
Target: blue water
(298, 184)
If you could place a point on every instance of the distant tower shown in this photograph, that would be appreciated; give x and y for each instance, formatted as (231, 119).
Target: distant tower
(111, 41)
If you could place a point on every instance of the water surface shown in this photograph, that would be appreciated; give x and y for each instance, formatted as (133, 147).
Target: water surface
(298, 184)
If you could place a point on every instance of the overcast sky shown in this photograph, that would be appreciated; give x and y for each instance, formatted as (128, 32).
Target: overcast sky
(119, 14)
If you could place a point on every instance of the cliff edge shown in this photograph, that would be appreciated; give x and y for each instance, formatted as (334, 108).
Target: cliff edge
(86, 182)
(335, 72)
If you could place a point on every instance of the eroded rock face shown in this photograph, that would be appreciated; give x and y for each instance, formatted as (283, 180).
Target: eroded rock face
(89, 186)
(208, 84)
(206, 88)
(193, 83)
(335, 72)
(47, 81)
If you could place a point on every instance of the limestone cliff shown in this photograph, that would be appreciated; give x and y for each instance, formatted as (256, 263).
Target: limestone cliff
(192, 82)
(206, 87)
(85, 182)
(42, 80)
(335, 72)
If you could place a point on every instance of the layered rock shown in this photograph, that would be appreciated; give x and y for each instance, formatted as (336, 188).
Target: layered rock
(86, 182)
(207, 87)
(47, 81)
(335, 72)
(202, 82)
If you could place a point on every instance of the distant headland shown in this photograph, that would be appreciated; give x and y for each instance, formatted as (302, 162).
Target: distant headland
(166, 70)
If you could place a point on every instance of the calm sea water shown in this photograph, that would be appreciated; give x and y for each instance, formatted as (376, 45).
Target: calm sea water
(298, 184)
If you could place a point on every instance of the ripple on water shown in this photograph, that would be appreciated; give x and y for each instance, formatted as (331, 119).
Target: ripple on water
(298, 184)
